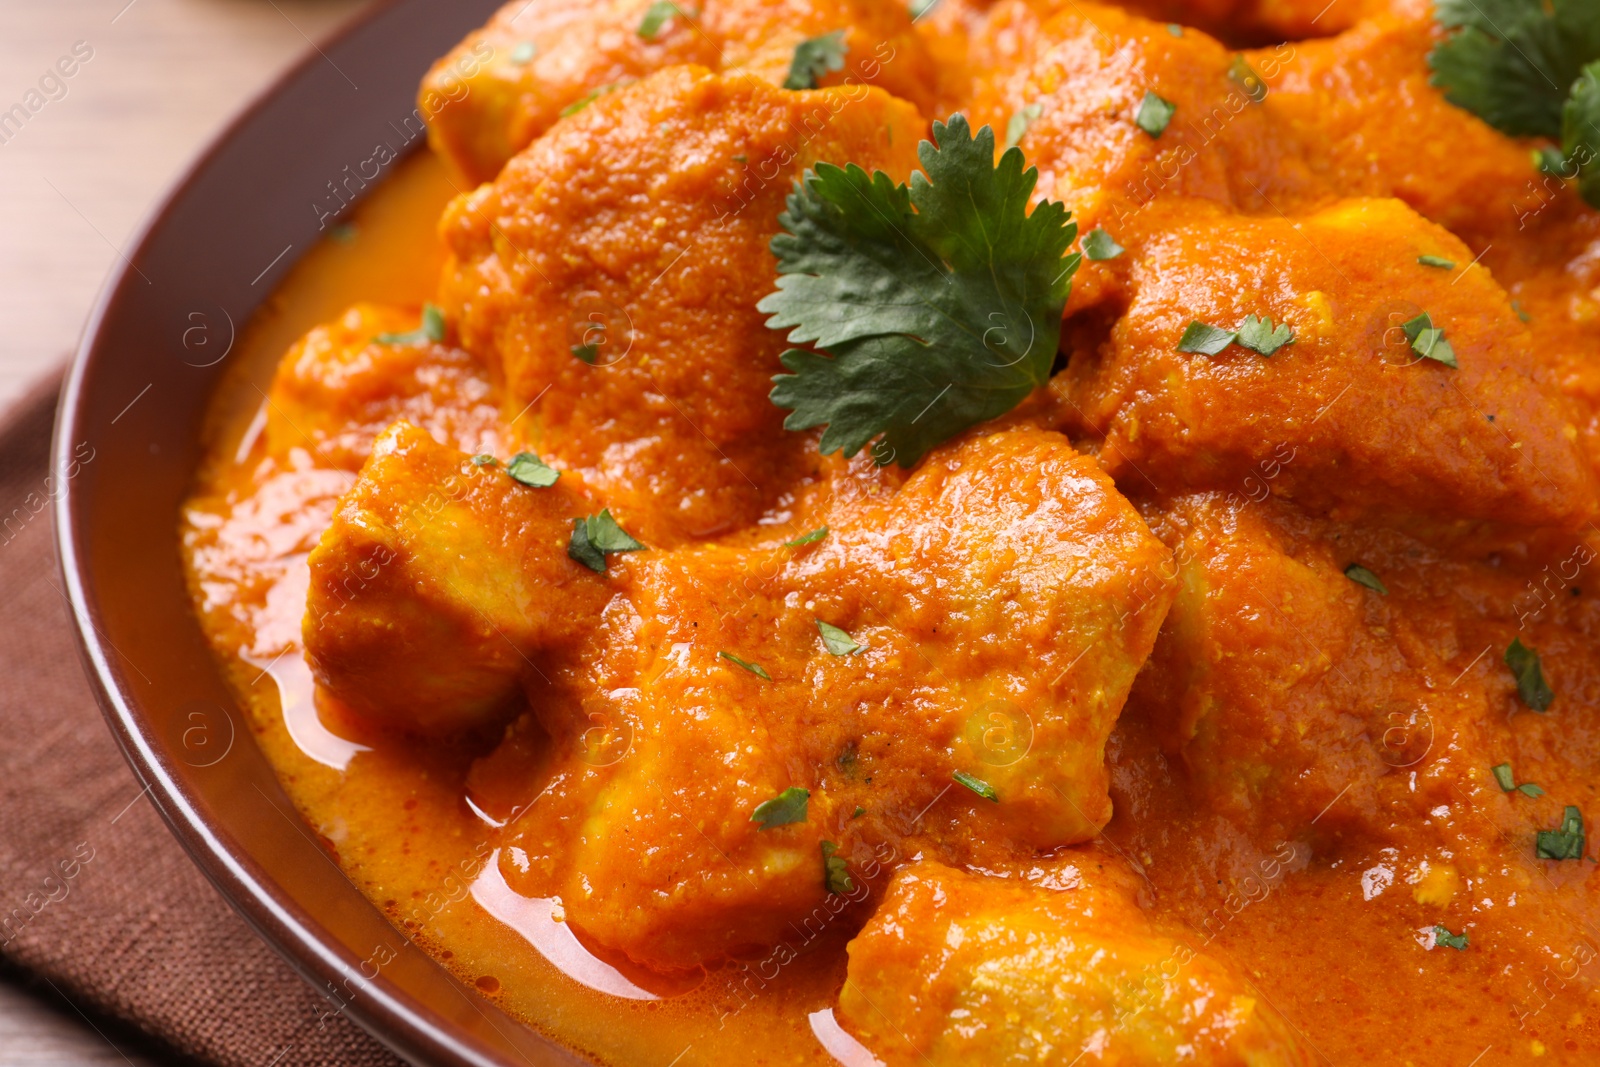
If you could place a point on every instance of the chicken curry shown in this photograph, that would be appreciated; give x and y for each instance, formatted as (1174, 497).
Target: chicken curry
(818, 531)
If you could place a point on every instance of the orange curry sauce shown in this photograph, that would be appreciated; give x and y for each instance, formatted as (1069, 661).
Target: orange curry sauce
(1224, 638)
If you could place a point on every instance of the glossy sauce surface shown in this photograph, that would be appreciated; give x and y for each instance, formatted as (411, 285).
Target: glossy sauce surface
(1296, 808)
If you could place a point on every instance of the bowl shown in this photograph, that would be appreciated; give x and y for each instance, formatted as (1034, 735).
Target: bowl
(154, 350)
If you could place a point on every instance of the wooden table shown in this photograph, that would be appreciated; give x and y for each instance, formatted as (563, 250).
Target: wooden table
(76, 179)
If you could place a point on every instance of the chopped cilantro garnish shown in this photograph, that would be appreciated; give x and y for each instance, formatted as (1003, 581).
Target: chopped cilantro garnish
(787, 807)
(1242, 74)
(529, 469)
(814, 57)
(1361, 576)
(1175, 29)
(1437, 261)
(1098, 245)
(597, 536)
(1019, 123)
(587, 353)
(523, 54)
(432, 329)
(754, 668)
(591, 96)
(1564, 844)
(1260, 335)
(656, 16)
(1154, 114)
(977, 785)
(483, 459)
(808, 539)
(1529, 673)
(938, 305)
(835, 872)
(1428, 341)
(1502, 775)
(1442, 936)
(1203, 339)
(1516, 306)
(839, 643)
(860, 811)
(1507, 783)
(920, 8)
(345, 233)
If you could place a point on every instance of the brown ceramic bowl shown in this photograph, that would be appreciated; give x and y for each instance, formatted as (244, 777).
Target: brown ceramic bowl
(150, 359)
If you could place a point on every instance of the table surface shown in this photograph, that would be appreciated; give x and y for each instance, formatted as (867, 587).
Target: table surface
(162, 76)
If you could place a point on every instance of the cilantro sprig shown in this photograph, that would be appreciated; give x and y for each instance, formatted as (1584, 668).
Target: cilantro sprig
(1528, 68)
(936, 306)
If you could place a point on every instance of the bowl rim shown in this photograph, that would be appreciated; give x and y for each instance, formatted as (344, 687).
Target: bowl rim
(392, 1016)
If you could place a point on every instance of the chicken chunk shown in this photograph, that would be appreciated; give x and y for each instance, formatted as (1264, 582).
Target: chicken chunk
(340, 386)
(1081, 74)
(1349, 415)
(990, 616)
(613, 271)
(1287, 682)
(439, 583)
(509, 82)
(1444, 161)
(959, 968)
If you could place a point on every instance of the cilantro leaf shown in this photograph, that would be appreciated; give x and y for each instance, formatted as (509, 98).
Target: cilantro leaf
(1531, 789)
(529, 469)
(835, 872)
(656, 16)
(1154, 114)
(1566, 843)
(1204, 339)
(814, 57)
(754, 668)
(523, 54)
(919, 8)
(1428, 341)
(1437, 261)
(808, 539)
(938, 305)
(1529, 673)
(1512, 62)
(592, 95)
(587, 353)
(1018, 124)
(1361, 576)
(1242, 74)
(432, 329)
(1259, 335)
(787, 807)
(1443, 936)
(597, 536)
(977, 785)
(483, 459)
(838, 641)
(1098, 245)
(1502, 776)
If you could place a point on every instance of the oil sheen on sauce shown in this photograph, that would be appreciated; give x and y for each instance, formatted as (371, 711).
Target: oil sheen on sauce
(394, 812)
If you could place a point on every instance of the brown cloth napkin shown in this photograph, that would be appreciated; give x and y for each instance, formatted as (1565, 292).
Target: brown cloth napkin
(96, 897)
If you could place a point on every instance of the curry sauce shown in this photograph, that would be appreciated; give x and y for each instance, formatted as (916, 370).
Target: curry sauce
(1224, 701)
